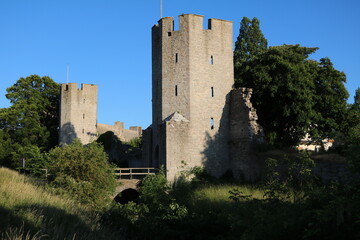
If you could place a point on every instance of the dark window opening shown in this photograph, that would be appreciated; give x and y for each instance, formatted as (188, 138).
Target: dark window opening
(212, 123)
(169, 34)
(211, 60)
(176, 90)
(67, 87)
(212, 91)
(176, 57)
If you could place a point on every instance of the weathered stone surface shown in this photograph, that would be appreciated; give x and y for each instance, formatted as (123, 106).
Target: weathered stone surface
(78, 116)
(192, 77)
(78, 113)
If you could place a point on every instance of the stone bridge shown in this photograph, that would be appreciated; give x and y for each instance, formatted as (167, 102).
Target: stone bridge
(129, 180)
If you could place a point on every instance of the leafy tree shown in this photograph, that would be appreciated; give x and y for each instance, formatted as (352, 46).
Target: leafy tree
(330, 100)
(294, 95)
(356, 104)
(289, 179)
(283, 92)
(33, 117)
(83, 172)
(250, 45)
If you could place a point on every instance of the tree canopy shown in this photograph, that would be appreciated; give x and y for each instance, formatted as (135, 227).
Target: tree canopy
(33, 117)
(294, 95)
(250, 45)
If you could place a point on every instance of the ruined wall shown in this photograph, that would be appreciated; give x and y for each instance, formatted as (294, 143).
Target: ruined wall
(245, 135)
(119, 130)
(193, 75)
(78, 113)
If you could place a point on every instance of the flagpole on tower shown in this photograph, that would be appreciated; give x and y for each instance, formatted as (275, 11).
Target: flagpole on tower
(160, 9)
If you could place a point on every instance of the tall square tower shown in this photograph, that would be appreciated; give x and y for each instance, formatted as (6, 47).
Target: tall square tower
(192, 76)
(78, 113)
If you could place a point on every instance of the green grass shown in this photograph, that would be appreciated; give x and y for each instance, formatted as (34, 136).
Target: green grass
(31, 212)
(217, 193)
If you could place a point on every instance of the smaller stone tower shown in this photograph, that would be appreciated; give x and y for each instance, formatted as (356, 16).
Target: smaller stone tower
(78, 113)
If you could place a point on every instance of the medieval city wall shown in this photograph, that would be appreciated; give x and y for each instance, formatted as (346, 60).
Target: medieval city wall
(119, 130)
(78, 113)
(193, 75)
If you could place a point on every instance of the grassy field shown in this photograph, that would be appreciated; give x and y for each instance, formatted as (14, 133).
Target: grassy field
(30, 212)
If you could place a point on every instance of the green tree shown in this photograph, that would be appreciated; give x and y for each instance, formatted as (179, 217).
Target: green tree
(250, 45)
(283, 92)
(33, 117)
(356, 104)
(83, 172)
(330, 98)
(294, 95)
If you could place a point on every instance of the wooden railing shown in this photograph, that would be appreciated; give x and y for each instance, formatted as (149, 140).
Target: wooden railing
(134, 172)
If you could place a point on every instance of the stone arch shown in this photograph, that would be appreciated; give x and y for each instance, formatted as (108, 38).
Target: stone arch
(127, 195)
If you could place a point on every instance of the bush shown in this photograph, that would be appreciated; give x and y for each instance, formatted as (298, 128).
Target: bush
(83, 172)
(289, 179)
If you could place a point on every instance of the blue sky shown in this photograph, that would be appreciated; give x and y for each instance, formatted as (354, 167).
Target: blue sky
(108, 42)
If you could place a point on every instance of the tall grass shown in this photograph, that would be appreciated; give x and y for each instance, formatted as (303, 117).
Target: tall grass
(217, 193)
(30, 212)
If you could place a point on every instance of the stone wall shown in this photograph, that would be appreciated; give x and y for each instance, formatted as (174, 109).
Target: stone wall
(119, 130)
(78, 113)
(193, 75)
(245, 135)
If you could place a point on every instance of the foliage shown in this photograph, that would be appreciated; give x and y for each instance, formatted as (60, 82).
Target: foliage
(356, 104)
(250, 45)
(294, 95)
(83, 172)
(33, 117)
(289, 179)
(35, 161)
(29, 212)
(237, 195)
(31, 122)
(135, 142)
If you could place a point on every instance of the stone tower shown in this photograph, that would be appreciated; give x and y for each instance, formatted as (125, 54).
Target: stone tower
(78, 113)
(192, 76)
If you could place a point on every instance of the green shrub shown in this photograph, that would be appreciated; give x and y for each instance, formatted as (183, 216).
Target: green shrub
(83, 172)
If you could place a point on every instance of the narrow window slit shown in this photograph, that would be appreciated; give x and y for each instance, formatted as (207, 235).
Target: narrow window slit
(212, 123)
(176, 58)
(211, 60)
(212, 91)
(176, 90)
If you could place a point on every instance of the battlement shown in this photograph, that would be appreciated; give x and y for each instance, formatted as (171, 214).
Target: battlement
(75, 86)
(191, 21)
(119, 130)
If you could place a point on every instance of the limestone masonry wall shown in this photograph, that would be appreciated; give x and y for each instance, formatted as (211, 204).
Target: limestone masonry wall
(192, 75)
(78, 116)
(119, 130)
(78, 113)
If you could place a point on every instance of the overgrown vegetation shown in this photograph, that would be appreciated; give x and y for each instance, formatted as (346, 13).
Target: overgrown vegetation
(82, 172)
(29, 211)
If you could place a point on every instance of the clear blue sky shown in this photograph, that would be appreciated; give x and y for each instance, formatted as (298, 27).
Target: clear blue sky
(108, 42)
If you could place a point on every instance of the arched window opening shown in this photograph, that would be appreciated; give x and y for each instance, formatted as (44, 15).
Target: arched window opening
(212, 123)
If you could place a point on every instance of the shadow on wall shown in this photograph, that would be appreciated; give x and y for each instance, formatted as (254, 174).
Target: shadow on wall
(119, 153)
(216, 154)
(231, 151)
(114, 148)
(67, 133)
